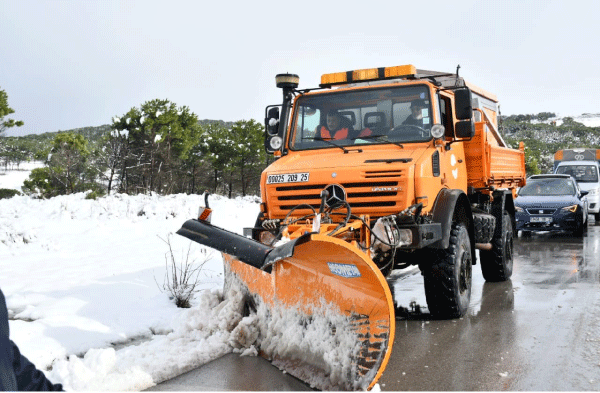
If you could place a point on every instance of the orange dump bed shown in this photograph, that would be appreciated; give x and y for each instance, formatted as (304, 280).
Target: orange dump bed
(489, 163)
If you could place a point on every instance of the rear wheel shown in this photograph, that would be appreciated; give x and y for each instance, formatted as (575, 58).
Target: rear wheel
(497, 264)
(484, 227)
(448, 279)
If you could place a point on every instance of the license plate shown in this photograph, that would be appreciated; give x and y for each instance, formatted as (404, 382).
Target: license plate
(541, 219)
(288, 178)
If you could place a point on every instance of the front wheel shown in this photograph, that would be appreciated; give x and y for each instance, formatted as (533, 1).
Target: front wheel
(448, 279)
(581, 226)
(497, 264)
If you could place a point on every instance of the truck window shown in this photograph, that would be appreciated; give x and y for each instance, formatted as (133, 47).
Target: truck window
(308, 121)
(369, 116)
(446, 115)
(581, 173)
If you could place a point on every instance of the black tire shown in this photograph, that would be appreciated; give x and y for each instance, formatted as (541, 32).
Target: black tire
(597, 218)
(448, 280)
(581, 226)
(497, 264)
(484, 227)
(525, 233)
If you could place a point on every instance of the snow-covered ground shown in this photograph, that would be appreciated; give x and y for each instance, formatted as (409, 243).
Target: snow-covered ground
(587, 119)
(81, 279)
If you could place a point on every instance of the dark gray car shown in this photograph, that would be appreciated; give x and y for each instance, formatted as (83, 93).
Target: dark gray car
(551, 203)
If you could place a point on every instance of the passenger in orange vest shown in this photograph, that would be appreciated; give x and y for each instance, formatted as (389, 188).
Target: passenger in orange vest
(334, 129)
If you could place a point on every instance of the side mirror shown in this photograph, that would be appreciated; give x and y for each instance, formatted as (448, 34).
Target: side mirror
(273, 140)
(272, 121)
(584, 193)
(462, 103)
(465, 129)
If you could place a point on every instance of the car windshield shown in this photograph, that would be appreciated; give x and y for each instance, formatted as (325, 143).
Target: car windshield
(548, 187)
(384, 115)
(581, 173)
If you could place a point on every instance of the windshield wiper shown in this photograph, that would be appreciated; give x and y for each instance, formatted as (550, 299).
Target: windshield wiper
(380, 138)
(331, 143)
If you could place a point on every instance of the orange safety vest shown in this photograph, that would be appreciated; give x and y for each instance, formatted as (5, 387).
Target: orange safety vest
(342, 133)
(366, 132)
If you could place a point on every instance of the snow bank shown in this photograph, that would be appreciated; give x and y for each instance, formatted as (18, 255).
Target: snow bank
(82, 277)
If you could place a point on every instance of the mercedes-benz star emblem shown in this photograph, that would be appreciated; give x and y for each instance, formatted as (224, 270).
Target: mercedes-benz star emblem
(337, 195)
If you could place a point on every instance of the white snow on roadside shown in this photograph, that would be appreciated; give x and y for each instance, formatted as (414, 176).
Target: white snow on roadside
(81, 279)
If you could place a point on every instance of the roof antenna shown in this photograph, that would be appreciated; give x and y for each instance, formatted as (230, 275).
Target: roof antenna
(457, 77)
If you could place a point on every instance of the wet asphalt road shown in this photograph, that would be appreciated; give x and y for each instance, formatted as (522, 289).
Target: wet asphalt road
(539, 331)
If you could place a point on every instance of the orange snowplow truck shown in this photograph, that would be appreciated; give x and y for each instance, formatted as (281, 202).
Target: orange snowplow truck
(377, 169)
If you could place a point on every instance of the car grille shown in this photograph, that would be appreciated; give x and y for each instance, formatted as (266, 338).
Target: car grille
(538, 210)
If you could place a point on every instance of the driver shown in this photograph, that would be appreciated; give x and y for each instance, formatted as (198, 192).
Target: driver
(334, 129)
(416, 116)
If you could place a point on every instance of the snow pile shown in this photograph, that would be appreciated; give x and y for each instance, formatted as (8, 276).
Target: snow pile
(201, 334)
(81, 279)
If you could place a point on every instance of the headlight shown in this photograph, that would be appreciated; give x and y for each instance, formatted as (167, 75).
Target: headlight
(276, 142)
(437, 131)
(571, 208)
(594, 191)
(518, 209)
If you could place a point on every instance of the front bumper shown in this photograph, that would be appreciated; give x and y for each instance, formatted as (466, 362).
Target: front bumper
(558, 221)
(593, 203)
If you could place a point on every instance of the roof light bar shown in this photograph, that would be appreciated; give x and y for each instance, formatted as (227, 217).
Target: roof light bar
(369, 74)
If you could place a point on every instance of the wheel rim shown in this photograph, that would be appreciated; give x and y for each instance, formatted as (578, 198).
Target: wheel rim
(508, 249)
(465, 273)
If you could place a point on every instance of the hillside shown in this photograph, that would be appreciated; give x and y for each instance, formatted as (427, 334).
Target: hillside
(545, 133)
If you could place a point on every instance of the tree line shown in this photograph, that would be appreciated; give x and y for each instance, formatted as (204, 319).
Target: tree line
(159, 147)
(162, 148)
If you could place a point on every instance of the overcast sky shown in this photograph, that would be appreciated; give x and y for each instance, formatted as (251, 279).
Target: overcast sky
(71, 64)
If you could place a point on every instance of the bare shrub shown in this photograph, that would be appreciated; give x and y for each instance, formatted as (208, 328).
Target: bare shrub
(181, 279)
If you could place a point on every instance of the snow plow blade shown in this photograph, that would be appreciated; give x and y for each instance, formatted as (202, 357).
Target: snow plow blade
(325, 311)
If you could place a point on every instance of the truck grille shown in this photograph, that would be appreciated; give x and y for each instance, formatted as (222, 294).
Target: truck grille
(376, 193)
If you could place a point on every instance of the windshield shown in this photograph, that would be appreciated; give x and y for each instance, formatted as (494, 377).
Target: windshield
(548, 187)
(581, 173)
(385, 115)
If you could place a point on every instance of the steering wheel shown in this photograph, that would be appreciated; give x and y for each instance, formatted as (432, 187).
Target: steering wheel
(409, 130)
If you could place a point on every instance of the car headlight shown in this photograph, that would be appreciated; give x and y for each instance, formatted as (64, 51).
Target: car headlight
(571, 208)
(594, 191)
(518, 209)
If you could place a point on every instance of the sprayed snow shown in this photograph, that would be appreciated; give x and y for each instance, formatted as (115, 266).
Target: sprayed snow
(327, 342)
